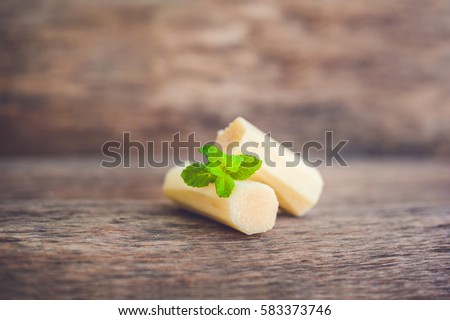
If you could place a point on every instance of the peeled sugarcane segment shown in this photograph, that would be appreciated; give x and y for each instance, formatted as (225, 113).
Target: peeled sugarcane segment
(298, 188)
(251, 208)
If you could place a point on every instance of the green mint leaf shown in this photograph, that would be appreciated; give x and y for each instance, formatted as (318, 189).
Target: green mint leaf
(248, 167)
(214, 168)
(233, 163)
(215, 157)
(196, 175)
(222, 169)
(210, 151)
(224, 185)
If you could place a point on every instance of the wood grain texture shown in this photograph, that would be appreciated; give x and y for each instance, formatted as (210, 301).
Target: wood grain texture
(381, 231)
(77, 73)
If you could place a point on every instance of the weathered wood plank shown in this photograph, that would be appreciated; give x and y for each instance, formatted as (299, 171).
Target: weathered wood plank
(381, 231)
(368, 181)
(77, 74)
(110, 249)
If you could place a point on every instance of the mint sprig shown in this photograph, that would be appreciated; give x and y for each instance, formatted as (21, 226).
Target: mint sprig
(221, 169)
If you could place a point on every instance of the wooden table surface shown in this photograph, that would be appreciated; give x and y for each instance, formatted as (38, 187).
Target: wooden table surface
(70, 229)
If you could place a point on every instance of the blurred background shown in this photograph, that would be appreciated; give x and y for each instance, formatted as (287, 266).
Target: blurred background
(76, 73)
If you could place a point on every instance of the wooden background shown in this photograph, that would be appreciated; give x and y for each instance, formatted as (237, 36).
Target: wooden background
(69, 229)
(74, 74)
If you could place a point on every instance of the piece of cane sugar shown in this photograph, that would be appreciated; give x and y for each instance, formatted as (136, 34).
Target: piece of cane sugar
(298, 187)
(251, 208)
